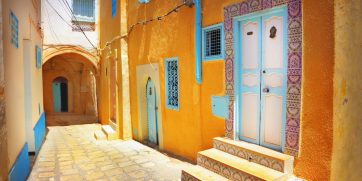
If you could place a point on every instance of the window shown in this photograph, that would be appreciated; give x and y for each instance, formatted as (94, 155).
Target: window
(38, 56)
(114, 8)
(143, 1)
(172, 84)
(14, 30)
(212, 42)
(84, 10)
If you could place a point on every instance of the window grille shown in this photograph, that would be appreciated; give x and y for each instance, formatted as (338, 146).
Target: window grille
(213, 42)
(84, 10)
(14, 30)
(38, 55)
(172, 83)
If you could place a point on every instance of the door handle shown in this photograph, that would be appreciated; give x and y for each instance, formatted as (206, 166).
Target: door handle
(266, 90)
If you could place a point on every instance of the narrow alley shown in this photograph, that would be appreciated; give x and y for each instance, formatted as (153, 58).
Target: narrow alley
(72, 153)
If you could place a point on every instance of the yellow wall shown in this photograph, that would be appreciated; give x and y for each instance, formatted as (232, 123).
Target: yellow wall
(191, 129)
(14, 72)
(347, 123)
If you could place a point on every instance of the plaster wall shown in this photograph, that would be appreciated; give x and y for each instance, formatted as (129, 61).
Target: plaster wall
(347, 122)
(3, 131)
(58, 31)
(28, 14)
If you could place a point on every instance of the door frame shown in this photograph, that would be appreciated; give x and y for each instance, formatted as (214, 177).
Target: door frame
(236, 21)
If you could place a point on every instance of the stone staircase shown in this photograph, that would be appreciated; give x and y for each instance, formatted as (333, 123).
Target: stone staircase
(238, 160)
(107, 133)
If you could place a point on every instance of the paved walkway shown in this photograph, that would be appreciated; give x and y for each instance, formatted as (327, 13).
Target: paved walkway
(72, 153)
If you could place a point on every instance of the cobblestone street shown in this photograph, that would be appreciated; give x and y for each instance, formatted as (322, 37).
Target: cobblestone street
(72, 153)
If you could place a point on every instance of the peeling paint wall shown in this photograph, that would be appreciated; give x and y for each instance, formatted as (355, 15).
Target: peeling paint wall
(347, 121)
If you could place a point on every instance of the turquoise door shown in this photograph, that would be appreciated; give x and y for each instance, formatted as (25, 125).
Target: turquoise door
(262, 78)
(151, 112)
(56, 89)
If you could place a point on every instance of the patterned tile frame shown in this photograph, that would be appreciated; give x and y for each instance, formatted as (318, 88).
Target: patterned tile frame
(224, 170)
(269, 162)
(187, 177)
(294, 64)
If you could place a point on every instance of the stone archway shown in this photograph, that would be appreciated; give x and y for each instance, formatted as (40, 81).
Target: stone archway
(80, 73)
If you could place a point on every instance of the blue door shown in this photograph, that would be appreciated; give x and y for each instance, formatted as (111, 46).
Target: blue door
(262, 75)
(151, 112)
(56, 89)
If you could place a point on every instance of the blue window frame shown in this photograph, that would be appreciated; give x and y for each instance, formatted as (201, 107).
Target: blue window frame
(14, 30)
(172, 83)
(38, 55)
(84, 10)
(143, 1)
(114, 8)
(213, 42)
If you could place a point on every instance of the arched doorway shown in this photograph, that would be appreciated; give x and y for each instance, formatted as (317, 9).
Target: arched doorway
(151, 112)
(60, 94)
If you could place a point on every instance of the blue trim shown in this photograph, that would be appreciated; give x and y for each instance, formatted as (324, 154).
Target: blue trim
(114, 8)
(176, 108)
(222, 53)
(198, 40)
(39, 133)
(21, 168)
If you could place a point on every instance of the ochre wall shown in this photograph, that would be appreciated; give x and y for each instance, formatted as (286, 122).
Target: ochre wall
(347, 122)
(110, 28)
(29, 17)
(316, 140)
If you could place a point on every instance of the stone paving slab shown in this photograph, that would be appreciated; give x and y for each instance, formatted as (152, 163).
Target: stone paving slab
(71, 153)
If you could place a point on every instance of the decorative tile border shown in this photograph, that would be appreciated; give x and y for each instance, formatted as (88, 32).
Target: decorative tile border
(294, 64)
(223, 169)
(188, 177)
(260, 159)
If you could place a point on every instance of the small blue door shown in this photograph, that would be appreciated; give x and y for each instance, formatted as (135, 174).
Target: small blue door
(151, 112)
(56, 96)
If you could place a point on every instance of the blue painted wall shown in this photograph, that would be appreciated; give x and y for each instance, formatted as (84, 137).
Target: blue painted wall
(21, 168)
(39, 133)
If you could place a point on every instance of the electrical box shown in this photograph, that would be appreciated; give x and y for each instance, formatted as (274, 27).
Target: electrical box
(220, 106)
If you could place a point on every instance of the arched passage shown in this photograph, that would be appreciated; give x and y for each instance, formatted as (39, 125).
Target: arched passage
(70, 88)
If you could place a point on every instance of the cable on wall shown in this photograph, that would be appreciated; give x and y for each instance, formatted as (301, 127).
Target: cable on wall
(188, 3)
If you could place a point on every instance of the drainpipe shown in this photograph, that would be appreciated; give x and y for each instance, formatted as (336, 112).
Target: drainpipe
(198, 40)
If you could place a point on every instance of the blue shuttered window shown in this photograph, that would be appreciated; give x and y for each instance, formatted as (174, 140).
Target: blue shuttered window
(14, 30)
(114, 8)
(172, 83)
(84, 10)
(143, 1)
(38, 56)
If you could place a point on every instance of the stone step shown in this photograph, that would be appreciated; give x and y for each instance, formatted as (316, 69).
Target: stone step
(99, 135)
(235, 168)
(110, 133)
(257, 154)
(197, 173)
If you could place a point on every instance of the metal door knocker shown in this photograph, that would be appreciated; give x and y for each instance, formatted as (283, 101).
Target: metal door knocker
(273, 32)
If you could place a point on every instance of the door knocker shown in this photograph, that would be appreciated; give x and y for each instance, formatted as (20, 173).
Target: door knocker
(273, 32)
